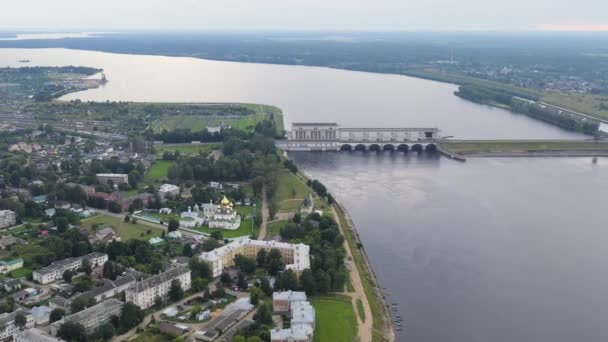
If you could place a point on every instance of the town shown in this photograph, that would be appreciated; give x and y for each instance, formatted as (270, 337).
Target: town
(146, 237)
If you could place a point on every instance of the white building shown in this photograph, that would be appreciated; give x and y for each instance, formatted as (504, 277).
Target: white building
(168, 190)
(8, 326)
(55, 270)
(302, 317)
(225, 217)
(145, 292)
(116, 178)
(295, 256)
(93, 317)
(222, 216)
(111, 288)
(7, 218)
(35, 335)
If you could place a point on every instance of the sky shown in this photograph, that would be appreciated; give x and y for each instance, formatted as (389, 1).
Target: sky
(398, 15)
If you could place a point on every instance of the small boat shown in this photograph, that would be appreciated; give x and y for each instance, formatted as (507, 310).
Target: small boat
(24, 61)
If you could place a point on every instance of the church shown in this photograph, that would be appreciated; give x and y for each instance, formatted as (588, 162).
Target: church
(222, 216)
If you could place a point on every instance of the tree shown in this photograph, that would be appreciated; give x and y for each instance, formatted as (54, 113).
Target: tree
(176, 292)
(287, 280)
(62, 223)
(110, 270)
(130, 316)
(217, 234)
(254, 298)
(79, 304)
(127, 218)
(173, 225)
(265, 286)
(308, 282)
(67, 276)
(20, 320)
(72, 331)
(264, 315)
(106, 331)
(210, 244)
(245, 264)
(198, 284)
(322, 281)
(261, 258)
(187, 250)
(225, 278)
(241, 281)
(274, 262)
(56, 315)
(86, 267)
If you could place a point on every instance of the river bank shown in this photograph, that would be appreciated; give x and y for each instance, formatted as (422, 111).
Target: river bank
(383, 328)
(461, 149)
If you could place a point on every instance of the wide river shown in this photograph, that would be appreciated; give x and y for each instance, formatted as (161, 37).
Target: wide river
(495, 249)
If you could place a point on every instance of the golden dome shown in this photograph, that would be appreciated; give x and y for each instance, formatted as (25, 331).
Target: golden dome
(225, 201)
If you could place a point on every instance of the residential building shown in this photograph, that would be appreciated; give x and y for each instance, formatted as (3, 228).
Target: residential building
(302, 325)
(10, 265)
(8, 218)
(41, 314)
(55, 270)
(59, 302)
(34, 335)
(111, 288)
(93, 317)
(145, 292)
(295, 256)
(168, 190)
(8, 326)
(116, 178)
(104, 236)
(10, 284)
(9, 240)
(282, 301)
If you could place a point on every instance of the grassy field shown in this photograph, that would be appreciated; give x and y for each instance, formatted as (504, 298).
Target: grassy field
(149, 337)
(274, 228)
(486, 146)
(368, 285)
(189, 149)
(360, 309)
(200, 122)
(158, 170)
(126, 231)
(585, 103)
(290, 192)
(244, 228)
(335, 319)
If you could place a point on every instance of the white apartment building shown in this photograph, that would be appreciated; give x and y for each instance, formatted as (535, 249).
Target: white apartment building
(8, 218)
(302, 325)
(34, 335)
(93, 317)
(168, 190)
(295, 256)
(8, 326)
(145, 292)
(55, 270)
(116, 178)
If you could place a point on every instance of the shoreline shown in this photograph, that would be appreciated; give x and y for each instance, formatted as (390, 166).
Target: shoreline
(366, 271)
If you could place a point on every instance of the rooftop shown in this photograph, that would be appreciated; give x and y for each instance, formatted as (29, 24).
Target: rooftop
(161, 278)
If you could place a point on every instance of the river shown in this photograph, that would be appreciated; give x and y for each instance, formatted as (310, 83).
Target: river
(494, 249)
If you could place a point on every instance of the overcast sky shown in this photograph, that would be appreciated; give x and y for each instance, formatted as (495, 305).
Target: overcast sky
(304, 14)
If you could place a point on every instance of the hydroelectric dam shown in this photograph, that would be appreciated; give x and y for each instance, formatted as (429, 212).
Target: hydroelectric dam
(315, 136)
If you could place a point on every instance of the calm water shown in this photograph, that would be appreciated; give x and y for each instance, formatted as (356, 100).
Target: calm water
(304, 93)
(487, 250)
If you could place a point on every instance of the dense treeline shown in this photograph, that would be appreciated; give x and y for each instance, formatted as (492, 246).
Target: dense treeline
(556, 117)
(327, 272)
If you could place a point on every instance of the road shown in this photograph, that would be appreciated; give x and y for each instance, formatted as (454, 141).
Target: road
(265, 213)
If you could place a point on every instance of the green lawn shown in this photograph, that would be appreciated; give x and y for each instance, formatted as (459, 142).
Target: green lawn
(335, 319)
(360, 309)
(290, 191)
(274, 228)
(150, 337)
(191, 149)
(126, 231)
(244, 229)
(199, 122)
(158, 170)
(485, 146)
